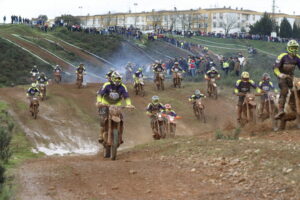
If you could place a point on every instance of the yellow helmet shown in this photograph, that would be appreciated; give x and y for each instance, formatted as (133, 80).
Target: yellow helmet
(245, 75)
(292, 47)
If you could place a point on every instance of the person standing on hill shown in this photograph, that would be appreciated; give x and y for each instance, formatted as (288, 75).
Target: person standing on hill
(284, 70)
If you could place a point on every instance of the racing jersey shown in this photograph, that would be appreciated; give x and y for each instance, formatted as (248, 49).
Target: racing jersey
(212, 74)
(286, 64)
(244, 86)
(112, 94)
(155, 108)
(42, 80)
(32, 91)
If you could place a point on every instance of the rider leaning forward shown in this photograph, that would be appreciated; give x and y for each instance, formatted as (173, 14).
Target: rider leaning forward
(284, 70)
(111, 93)
(242, 87)
(152, 109)
(264, 86)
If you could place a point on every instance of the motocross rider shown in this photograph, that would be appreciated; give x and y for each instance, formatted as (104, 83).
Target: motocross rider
(108, 74)
(137, 75)
(42, 79)
(284, 70)
(243, 86)
(80, 69)
(111, 93)
(168, 110)
(152, 109)
(34, 70)
(176, 68)
(157, 68)
(210, 74)
(57, 69)
(265, 86)
(32, 92)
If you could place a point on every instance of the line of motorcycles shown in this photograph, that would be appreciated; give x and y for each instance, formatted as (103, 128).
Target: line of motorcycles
(42, 96)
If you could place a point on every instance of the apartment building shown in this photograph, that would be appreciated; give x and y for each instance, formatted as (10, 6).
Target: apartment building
(219, 20)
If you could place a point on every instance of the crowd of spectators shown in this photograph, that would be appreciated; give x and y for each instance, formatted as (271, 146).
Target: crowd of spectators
(18, 20)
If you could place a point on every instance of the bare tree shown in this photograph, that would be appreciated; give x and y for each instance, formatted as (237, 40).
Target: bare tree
(229, 22)
(156, 19)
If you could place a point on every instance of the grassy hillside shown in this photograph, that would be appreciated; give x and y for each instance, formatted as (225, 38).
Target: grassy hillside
(15, 65)
(102, 45)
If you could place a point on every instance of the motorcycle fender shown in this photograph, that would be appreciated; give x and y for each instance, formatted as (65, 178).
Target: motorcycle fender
(252, 103)
(116, 119)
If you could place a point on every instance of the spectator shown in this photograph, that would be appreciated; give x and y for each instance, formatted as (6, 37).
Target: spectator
(4, 19)
(237, 66)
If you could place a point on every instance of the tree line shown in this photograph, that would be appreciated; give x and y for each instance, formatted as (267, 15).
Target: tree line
(266, 25)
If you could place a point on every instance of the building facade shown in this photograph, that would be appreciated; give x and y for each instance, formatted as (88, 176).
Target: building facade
(219, 20)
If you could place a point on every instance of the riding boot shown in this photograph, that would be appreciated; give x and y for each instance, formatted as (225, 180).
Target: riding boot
(261, 110)
(101, 136)
(239, 114)
(280, 111)
(174, 81)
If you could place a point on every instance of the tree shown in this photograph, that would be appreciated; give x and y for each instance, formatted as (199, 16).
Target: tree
(69, 19)
(43, 18)
(264, 26)
(286, 30)
(296, 31)
(229, 22)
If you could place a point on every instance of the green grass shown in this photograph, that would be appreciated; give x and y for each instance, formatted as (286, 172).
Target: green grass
(21, 151)
(102, 45)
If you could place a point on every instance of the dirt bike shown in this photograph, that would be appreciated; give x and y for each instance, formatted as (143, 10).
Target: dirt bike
(296, 90)
(57, 77)
(198, 108)
(159, 80)
(177, 78)
(171, 125)
(248, 108)
(113, 137)
(79, 80)
(269, 106)
(212, 88)
(34, 75)
(42, 88)
(139, 86)
(34, 107)
(160, 128)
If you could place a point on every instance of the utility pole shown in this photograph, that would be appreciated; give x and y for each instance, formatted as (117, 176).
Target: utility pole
(273, 9)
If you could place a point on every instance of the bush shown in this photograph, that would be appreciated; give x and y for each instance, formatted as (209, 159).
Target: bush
(6, 128)
(227, 135)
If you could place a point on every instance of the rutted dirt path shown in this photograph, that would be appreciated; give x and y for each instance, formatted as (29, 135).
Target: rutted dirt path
(68, 122)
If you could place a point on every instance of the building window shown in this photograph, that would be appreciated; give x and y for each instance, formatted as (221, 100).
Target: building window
(221, 15)
(253, 17)
(214, 16)
(215, 24)
(239, 25)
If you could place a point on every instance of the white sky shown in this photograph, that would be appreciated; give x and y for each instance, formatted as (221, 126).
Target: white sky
(52, 8)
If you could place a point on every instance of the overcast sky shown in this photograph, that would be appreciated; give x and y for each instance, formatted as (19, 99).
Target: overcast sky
(52, 8)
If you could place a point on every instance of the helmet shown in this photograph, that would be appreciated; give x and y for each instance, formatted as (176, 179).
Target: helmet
(213, 69)
(197, 92)
(33, 84)
(34, 66)
(116, 78)
(42, 74)
(176, 63)
(81, 64)
(140, 69)
(157, 61)
(56, 66)
(292, 47)
(111, 70)
(245, 75)
(155, 99)
(266, 76)
(168, 106)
